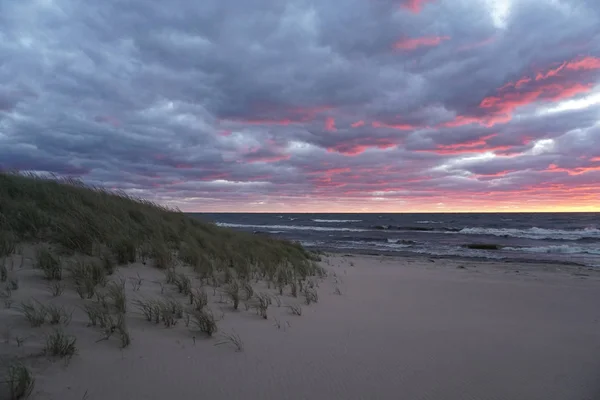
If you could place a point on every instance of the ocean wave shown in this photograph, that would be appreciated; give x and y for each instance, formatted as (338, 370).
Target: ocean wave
(536, 233)
(556, 249)
(334, 221)
(412, 228)
(430, 222)
(289, 227)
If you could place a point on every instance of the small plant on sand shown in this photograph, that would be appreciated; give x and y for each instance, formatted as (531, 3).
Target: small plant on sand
(163, 256)
(58, 315)
(337, 291)
(48, 263)
(136, 283)
(115, 323)
(56, 288)
(170, 312)
(3, 271)
(249, 290)
(124, 250)
(108, 264)
(264, 300)
(198, 299)
(310, 296)
(295, 309)
(20, 381)
(86, 277)
(170, 275)
(59, 344)
(183, 283)
(13, 283)
(34, 312)
(96, 313)
(232, 289)
(231, 338)
(204, 320)
(149, 308)
(116, 293)
(294, 289)
(277, 300)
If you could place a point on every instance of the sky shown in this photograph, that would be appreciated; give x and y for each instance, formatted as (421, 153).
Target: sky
(309, 105)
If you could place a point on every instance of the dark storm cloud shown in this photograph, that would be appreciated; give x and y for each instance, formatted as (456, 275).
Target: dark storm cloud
(201, 103)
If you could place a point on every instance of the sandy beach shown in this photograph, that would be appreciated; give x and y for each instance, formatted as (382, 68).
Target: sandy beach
(384, 328)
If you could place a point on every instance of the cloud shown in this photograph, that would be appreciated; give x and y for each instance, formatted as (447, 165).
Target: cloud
(415, 43)
(287, 105)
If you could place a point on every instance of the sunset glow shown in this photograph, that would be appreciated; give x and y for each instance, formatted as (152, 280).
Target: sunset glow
(377, 106)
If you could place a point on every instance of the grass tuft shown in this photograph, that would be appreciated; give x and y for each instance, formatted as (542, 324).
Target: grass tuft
(20, 381)
(49, 264)
(295, 309)
(58, 315)
(310, 296)
(204, 320)
(183, 283)
(233, 339)
(232, 289)
(34, 312)
(86, 276)
(59, 344)
(116, 292)
(56, 288)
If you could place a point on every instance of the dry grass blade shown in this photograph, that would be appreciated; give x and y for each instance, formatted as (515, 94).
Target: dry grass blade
(233, 339)
(295, 309)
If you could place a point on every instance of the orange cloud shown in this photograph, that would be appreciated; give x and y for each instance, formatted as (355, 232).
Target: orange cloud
(415, 43)
(358, 124)
(356, 147)
(572, 171)
(330, 124)
(415, 6)
(402, 127)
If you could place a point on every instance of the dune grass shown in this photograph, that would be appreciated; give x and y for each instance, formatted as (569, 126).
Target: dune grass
(96, 222)
(20, 381)
(59, 344)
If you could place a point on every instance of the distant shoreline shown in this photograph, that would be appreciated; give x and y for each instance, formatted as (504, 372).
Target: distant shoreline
(411, 255)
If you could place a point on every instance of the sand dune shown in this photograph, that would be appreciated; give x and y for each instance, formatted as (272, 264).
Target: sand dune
(400, 329)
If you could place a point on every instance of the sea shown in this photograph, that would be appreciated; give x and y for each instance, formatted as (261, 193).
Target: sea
(572, 238)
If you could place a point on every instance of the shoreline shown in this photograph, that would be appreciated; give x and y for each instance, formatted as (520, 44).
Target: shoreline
(409, 254)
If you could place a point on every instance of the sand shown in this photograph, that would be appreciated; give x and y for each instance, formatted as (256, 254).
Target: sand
(402, 328)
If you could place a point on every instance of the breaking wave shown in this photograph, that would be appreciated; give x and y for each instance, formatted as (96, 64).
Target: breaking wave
(290, 227)
(334, 221)
(536, 233)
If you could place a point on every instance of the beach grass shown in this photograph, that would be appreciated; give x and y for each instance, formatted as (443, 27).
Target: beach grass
(20, 381)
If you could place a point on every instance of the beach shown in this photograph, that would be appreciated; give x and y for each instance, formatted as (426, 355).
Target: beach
(383, 328)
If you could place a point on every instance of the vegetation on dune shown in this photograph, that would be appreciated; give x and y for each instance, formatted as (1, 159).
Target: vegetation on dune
(121, 229)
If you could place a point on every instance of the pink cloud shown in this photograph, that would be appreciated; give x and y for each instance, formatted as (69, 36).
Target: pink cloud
(414, 43)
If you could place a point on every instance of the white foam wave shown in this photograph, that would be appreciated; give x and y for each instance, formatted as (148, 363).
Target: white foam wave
(535, 233)
(558, 249)
(333, 221)
(290, 227)
(430, 222)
